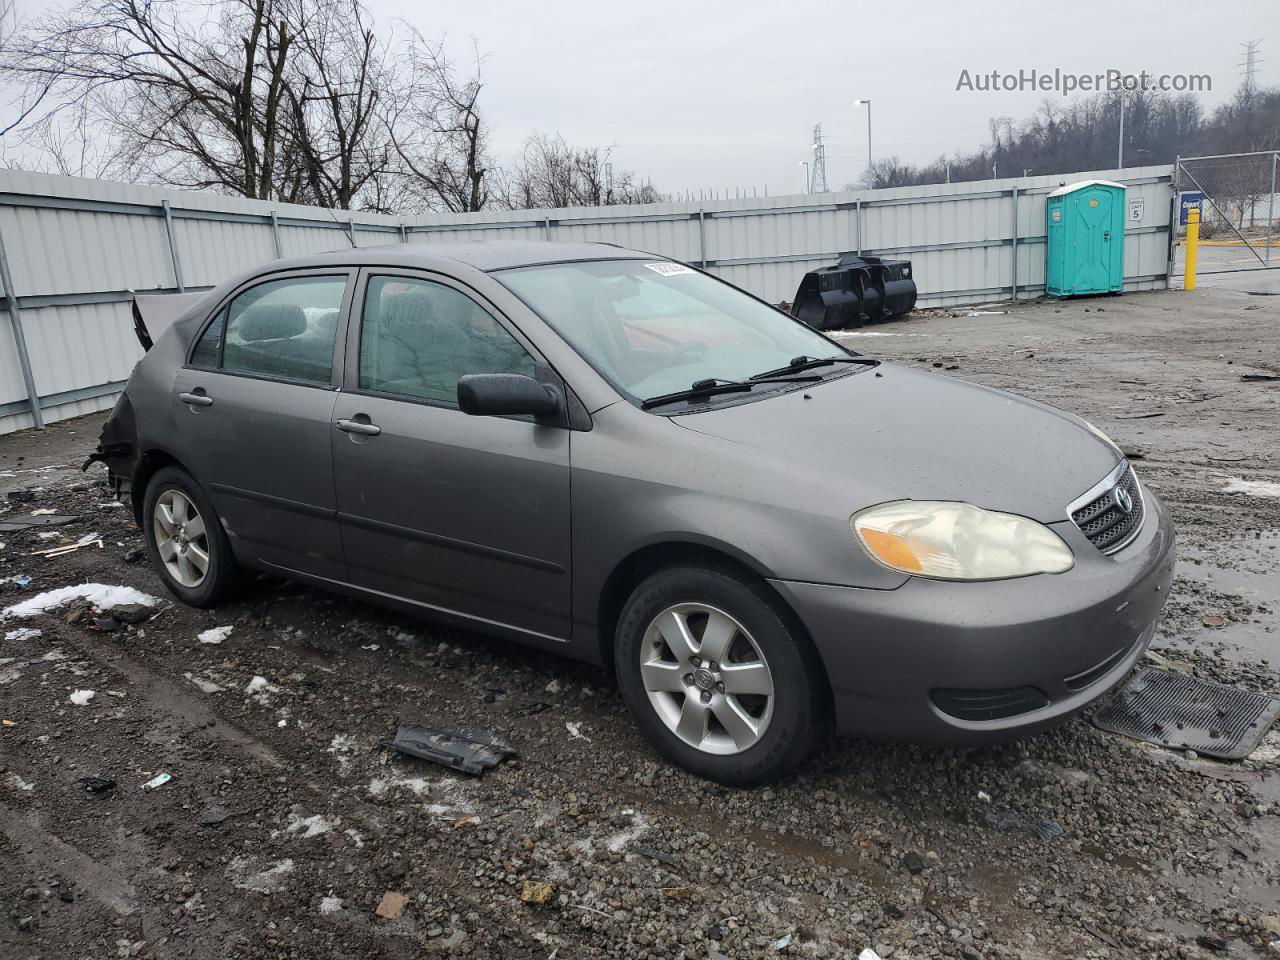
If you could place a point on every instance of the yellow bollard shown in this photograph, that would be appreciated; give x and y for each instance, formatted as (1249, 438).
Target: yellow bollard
(1193, 248)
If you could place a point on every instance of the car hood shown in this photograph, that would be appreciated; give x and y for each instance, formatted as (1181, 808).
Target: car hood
(898, 433)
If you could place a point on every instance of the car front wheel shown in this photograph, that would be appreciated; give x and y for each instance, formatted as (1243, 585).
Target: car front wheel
(187, 545)
(717, 677)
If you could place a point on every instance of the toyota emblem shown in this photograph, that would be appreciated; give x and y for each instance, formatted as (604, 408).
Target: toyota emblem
(1123, 500)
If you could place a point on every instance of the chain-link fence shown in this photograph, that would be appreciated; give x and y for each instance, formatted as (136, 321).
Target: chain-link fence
(1239, 208)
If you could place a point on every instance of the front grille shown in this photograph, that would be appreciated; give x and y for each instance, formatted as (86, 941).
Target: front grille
(1105, 522)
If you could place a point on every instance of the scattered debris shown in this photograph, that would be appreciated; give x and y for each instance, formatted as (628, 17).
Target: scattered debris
(96, 784)
(537, 891)
(785, 941)
(1046, 830)
(1216, 944)
(213, 815)
(391, 905)
(88, 540)
(157, 781)
(575, 732)
(984, 796)
(661, 857)
(214, 635)
(684, 891)
(21, 496)
(1102, 935)
(1140, 416)
(132, 613)
(81, 697)
(204, 686)
(464, 822)
(469, 750)
(1259, 377)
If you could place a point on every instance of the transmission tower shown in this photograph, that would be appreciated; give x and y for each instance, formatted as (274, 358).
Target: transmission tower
(819, 182)
(1249, 67)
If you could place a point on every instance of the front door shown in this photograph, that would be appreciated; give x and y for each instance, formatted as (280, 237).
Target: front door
(461, 514)
(255, 419)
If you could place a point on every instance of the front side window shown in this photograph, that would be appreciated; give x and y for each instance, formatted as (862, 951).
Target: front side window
(657, 328)
(282, 329)
(417, 338)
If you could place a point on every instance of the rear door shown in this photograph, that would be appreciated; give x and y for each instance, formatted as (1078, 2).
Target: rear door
(258, 390)
(467, 515)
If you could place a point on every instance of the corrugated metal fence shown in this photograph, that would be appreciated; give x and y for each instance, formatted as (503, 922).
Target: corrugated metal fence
(72, 250)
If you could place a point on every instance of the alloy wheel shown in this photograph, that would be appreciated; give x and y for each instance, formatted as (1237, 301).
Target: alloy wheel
(181, 538)
(706, 678)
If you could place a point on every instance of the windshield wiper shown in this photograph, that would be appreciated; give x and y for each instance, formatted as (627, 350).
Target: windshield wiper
(808, 363)
(715, 386)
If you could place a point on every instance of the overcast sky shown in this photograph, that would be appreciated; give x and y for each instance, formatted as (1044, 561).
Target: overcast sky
(716, 94)
(722, 93)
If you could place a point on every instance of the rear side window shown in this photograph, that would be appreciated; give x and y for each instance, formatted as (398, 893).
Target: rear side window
(283, 329)
(417, 338)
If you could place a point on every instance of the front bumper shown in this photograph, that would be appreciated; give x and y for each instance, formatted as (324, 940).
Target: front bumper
(1071, 637)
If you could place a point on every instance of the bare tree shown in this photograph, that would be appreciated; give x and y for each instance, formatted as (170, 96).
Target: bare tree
(186, 101)
(336, 85)
(551, 173)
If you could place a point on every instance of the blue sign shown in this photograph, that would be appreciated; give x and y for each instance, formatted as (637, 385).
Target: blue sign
(1188, 200)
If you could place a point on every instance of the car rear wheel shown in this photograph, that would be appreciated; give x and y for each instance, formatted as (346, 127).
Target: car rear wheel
(717, 677)
(188, 546)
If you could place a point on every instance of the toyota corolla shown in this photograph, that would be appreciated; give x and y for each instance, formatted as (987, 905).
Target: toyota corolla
(625, 460)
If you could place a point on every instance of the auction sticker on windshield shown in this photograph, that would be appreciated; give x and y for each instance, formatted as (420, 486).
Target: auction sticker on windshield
(669, 269)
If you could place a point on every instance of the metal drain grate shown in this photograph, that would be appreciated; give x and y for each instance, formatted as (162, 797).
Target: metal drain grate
(1161, 706)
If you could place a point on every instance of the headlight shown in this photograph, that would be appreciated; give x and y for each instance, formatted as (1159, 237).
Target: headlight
(958, 541)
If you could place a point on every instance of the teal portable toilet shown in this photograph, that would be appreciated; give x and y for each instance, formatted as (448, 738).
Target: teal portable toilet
(1084, 223)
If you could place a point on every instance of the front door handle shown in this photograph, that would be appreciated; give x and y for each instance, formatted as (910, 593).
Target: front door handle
(199, 399)
(358, 426)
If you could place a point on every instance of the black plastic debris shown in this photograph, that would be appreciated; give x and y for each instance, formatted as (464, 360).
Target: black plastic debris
(1172, 709)
(213, 815)
(1046, 830)
(856, 290)
(18, 524)
(96, 784)
(469, 750)
(913, 862)
(21, 496)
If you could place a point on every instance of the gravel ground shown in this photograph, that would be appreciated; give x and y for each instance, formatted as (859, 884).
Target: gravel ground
(285, 823)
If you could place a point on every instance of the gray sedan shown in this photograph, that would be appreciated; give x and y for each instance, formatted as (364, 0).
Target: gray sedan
(622, 459)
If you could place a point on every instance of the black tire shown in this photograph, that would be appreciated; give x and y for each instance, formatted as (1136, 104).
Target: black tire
(798, 718)
(221, 574)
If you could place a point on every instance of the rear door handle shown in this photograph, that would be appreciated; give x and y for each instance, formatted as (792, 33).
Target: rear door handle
(358, 426)
(196, 399)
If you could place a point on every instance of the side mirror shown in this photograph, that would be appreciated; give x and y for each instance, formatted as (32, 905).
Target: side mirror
(506, 394)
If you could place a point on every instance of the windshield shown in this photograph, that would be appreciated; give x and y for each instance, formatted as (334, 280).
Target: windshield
(655, 328)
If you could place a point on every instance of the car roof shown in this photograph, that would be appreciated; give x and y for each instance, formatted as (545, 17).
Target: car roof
(481, 254)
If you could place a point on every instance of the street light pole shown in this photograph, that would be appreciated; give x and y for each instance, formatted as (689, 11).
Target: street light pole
(867, 104)
(1120, 147)
(805, 164)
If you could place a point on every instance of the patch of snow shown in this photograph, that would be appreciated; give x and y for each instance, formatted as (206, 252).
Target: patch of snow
(575, 732)
(260, 685)
(214, 635)
(101, 595)
(19, 784)
(330, 905)
(81, 697)
(620, 840)
(380, 786)
(22, 633)
(1252, 488)
(555, 686)
(341, 746)
(271, 880)
(312, 826)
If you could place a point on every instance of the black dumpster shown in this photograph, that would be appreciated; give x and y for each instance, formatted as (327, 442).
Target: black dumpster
(856, 290)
